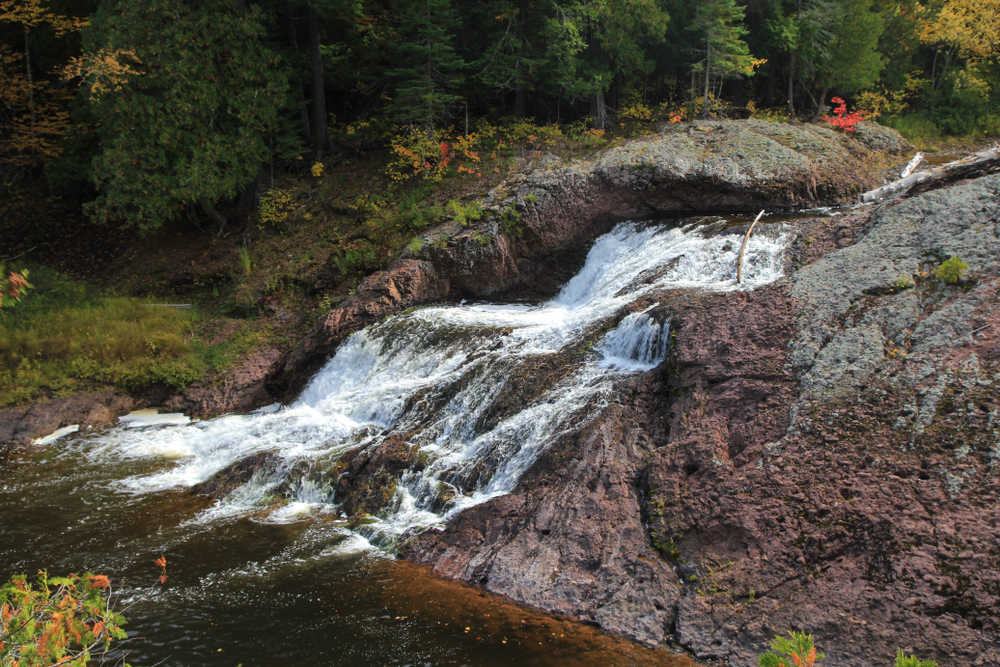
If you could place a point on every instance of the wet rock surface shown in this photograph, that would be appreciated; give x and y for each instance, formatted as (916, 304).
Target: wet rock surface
(247, 386)
(822, 455)
(543, 219)
(366, 480)
(572, 540)
(408, 283)
(224, 482)
(19, 426)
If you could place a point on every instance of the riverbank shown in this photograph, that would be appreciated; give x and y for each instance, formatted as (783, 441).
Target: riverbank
(720, 468)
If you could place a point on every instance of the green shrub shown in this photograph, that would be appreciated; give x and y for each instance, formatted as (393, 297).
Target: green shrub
(800, 651)
(511, 223)
(951, 270)
(917, 128)
(903, 660)
(464, 215)
(361, 256)
(244, 259)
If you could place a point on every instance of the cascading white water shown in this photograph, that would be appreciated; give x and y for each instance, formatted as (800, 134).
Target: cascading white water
(441, 374)
(638, 343)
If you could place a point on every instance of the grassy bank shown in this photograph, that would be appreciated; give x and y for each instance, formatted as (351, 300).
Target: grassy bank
(67, 336)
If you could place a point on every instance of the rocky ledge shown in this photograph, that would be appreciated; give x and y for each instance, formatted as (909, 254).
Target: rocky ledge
(819, 455)
(542, 219)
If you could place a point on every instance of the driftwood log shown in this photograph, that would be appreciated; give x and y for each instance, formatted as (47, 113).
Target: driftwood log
(739, 261)
(976, 164)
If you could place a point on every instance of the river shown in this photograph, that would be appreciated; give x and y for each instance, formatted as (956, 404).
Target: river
(274, 571)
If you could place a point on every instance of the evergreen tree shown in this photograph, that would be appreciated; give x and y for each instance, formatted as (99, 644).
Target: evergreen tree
(190, 126)
(726, 54)
(429, 70)
(853, 62)
(593, 44)
(515, 48)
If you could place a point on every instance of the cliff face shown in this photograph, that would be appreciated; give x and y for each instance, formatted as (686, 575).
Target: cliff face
(819, 455)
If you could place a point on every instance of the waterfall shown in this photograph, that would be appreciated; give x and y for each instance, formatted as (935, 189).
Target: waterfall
(638, 343)
(479, 389)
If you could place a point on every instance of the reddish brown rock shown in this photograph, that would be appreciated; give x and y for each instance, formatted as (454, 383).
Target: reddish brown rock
(233, 476)
(409, 282)
(572, 538)
(239, 389)
(19, 426)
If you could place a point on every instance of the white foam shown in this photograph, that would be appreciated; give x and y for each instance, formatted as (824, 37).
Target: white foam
(153, 417)
(442, 375)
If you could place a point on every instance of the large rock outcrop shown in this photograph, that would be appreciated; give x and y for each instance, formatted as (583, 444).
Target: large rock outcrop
(20, 426)
(828, 461)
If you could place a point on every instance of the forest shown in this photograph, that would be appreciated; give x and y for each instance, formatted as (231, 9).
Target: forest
(140, 109)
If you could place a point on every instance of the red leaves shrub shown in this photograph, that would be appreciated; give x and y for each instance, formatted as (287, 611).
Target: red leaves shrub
(843, 120)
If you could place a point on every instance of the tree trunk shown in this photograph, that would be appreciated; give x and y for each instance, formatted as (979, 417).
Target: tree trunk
(220, 220)
(318, 85)
(248, 198)
(599, 111)
(293, 41)
(820, 106)
(986, 162)
(934, 69)
(31, 81)
(708, 73)
(772, 83)
(791, 88)
(947, 59)
(519, 101)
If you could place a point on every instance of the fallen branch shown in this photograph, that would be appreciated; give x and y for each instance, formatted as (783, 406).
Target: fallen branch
(912, 165)
(973, 165)
(11, 259)
(184, 306)
(739, 262)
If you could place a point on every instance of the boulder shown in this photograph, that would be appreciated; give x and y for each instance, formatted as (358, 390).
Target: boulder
(19, 426)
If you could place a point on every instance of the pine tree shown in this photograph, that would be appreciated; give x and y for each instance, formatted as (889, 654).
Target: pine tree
(853, 61)
(726, 54)
(593, 43)
(430, 71)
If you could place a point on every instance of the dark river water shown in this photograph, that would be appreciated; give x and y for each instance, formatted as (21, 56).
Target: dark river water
(247, 591)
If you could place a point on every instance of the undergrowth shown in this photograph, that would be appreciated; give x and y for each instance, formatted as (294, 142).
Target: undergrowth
(69, 337)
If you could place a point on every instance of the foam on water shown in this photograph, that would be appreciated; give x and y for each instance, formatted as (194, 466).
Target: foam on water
(55, 435)
(440, 374)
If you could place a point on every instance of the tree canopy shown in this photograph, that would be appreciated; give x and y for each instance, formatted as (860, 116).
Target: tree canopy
(190, 123)
(166, 108)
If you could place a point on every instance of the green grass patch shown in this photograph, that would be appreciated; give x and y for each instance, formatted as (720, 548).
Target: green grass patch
(66, 336)
(916, 128)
